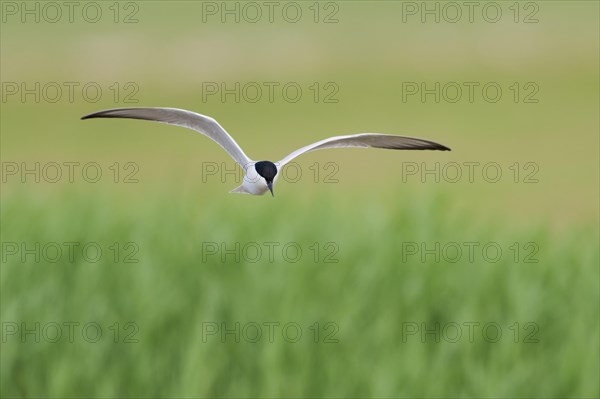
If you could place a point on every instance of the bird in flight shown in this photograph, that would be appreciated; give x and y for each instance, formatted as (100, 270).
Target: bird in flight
(262, 175)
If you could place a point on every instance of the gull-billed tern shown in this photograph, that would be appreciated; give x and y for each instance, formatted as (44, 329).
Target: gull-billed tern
(262, 175)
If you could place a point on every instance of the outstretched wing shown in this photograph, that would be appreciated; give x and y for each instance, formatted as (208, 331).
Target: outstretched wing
(368, 140)
(179, 117)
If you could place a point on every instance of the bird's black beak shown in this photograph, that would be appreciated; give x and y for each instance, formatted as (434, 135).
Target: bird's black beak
(270, 185)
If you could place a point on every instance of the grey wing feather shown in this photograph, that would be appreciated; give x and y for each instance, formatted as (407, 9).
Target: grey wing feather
(368, 140)
(179, 117)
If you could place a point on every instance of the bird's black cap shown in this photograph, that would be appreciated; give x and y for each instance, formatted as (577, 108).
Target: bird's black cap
(266, 169)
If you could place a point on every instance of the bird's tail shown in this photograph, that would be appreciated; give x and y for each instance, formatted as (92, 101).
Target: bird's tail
(239, 190)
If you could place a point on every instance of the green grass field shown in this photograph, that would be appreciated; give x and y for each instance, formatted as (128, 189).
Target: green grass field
(359, 280)
(374, 296)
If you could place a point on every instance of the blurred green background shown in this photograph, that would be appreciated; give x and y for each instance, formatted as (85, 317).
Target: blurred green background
(375, 293)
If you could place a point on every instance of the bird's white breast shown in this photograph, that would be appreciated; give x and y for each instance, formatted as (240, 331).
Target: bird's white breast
(254, 183)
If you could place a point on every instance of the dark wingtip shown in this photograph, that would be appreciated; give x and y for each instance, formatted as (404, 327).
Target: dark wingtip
(89, 116)
(104, 114)
(438, 146)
